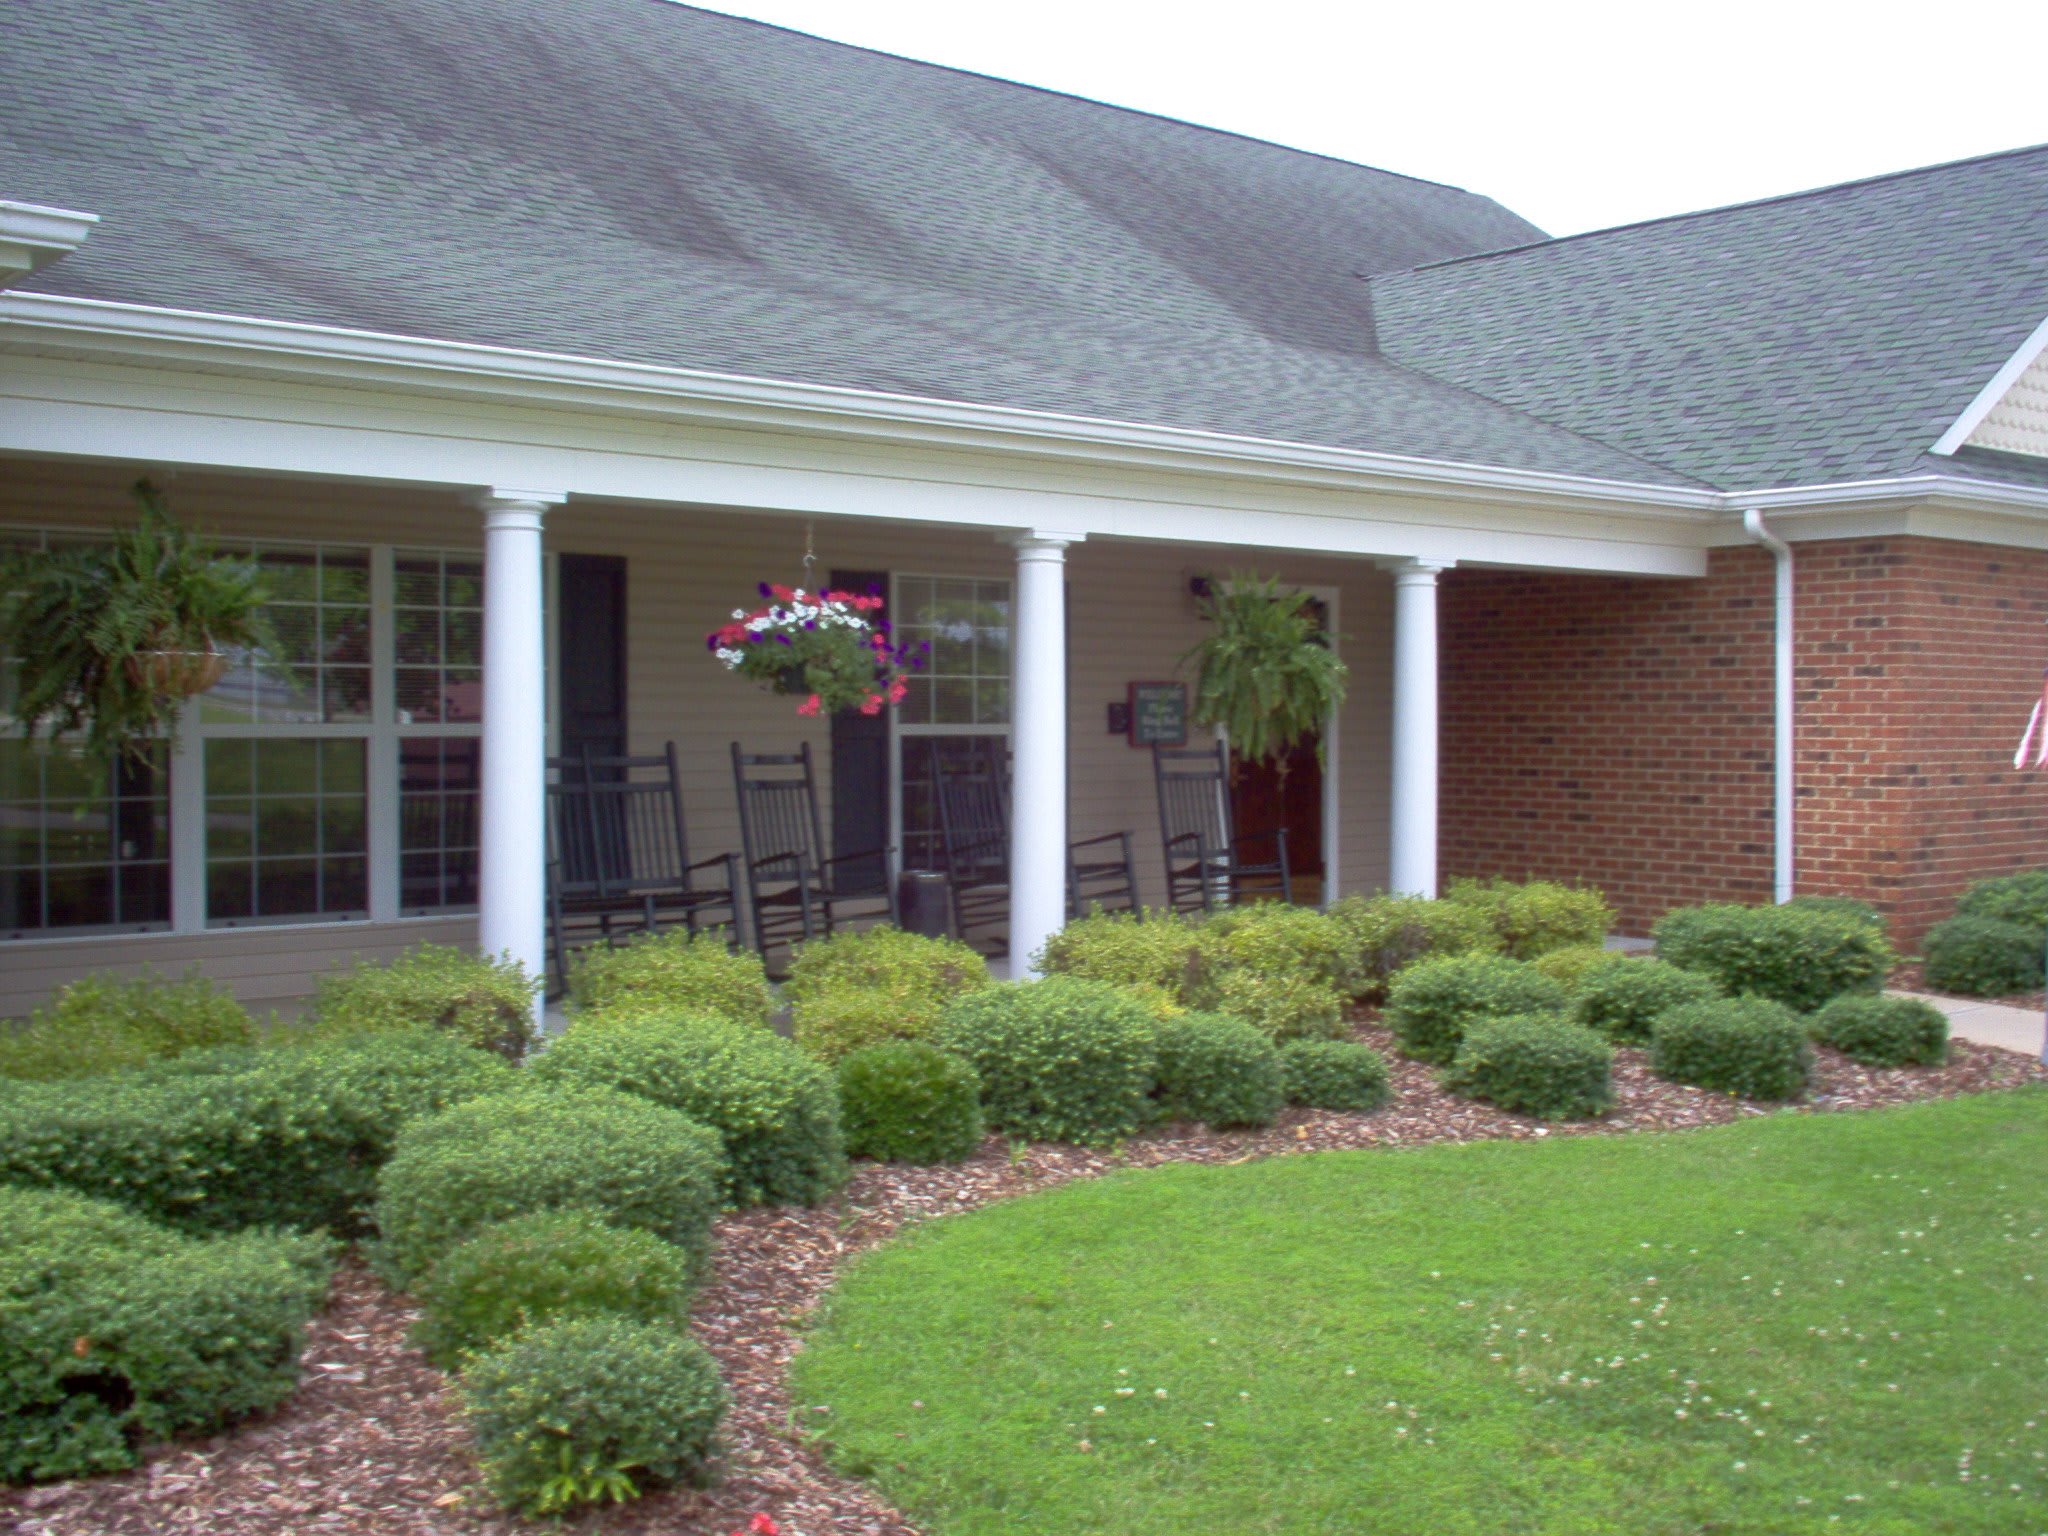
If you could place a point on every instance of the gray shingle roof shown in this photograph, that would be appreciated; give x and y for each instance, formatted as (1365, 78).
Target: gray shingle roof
(1829, 336)
(635, 180)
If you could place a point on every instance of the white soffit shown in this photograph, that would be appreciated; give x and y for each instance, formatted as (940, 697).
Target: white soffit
(2011, 412)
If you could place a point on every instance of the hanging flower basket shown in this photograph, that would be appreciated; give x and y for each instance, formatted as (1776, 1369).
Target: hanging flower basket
(177, 674)
(820, 647)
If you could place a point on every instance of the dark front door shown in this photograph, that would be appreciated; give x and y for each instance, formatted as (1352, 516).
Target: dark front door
(590, 649)
(1287, 792)
(860, 772)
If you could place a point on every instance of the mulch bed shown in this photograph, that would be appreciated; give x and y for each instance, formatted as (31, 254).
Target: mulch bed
(369, 1442)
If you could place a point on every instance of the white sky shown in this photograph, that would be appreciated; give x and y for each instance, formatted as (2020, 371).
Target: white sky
(1574, 113)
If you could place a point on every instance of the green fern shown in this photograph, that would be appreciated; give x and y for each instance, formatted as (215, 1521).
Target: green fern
(1267, 674)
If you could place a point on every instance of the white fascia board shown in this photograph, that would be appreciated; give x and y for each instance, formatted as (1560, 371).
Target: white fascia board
(1988, 397)
(336, 355)
(32, 236)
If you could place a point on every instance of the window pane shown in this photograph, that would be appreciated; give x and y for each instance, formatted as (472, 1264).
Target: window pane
(82, 845)
(439, 621)
(437, 795)
(965, 623)
(285, 829)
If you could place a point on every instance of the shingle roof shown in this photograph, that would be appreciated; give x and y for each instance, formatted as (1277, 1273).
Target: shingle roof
(1833, 335)
(635, 180)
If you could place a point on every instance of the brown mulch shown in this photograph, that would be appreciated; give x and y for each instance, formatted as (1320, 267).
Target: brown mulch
(369, 1442)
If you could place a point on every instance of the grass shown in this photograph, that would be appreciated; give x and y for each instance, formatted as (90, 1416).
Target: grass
(1810, 1322)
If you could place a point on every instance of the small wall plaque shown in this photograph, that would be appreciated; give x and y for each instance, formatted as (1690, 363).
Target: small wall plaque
(1159, 714)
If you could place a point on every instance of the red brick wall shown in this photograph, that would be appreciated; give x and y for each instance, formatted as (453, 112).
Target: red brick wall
(1618, 732)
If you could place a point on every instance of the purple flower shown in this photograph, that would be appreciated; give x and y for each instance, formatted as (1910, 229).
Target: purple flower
(783, 638)
(810, 623)
(764, 589)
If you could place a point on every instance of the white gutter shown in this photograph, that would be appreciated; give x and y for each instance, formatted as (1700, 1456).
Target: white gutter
(33, 236)
(1785, 768)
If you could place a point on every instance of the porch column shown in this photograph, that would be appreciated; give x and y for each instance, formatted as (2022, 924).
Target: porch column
(1038, 783)
(1412, 847)
(512, 853)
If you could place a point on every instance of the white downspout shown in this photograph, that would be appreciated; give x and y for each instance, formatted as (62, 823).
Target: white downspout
(1784, 763)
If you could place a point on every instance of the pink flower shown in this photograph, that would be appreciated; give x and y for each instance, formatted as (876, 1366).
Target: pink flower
(809, 706)
(872, 704)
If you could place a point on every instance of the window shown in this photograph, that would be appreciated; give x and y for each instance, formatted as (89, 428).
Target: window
(334, 780)
(958, 704)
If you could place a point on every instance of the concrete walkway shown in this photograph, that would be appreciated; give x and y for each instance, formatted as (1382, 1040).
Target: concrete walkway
(2008, 1028)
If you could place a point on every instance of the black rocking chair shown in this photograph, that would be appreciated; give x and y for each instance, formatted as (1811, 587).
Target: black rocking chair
(794, 890)
(974, 826)
(1205, 863)
(619, 856)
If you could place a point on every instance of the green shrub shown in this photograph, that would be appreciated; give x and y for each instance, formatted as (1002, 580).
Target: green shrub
(671, 973)
(219, 1140)
(1535, 918)
(115, 1331)
(2021, 898)
(1433, 1002)
(1271, 937)
(775, 1109)
(592, 1409)
(1798, 956)
(1571, 966)
(1983, 957)
(1749, 1046)
(1841, 906)
(1217, 1070)
(1884, 1031)
(1334, 1074)
(1385, 933)
(1130, 949)
(832, 1026)
(540, 1268)
(635, 1163)
(1623, 1001)
(908, 1102)
(1063, 1059)
(919, 969)
(1534, 1065)
(478, 1000)
(1280, 1005)
(98, 1025)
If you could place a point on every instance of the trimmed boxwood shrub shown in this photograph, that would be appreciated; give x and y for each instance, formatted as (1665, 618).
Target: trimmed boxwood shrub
(473, 998)
(1884, 1031)
(921, 969)
(1534, 918)
(1281, 1005)
(98, 1025)
(1842, 906)
(673, 972)
(1431, 1004)
(115, 1331)
(832, 1026)
(775, 1109)
(1798, 956)
(1269, 937)
(218, 1140)
(908, 1102)
(1384, 933)
(1334, 1074)
(1748, 1046)
(1534, 1065)
(2021, 898)
(1131, 949)
(541, 1267)
(1983, 957)
(1571, 966)
(536, 1148)
(1622, 1001)
(1063, 1059)
(1217, 1070)
(592, 1409)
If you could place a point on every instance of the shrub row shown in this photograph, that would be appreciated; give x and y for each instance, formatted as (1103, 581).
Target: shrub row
(98, 1025)
(114, 1330)
(672, 973)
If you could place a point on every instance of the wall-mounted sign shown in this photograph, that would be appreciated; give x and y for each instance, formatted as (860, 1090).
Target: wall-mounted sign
(1159, 714)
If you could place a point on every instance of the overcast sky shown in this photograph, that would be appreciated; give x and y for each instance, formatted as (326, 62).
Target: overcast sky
(1576, 114)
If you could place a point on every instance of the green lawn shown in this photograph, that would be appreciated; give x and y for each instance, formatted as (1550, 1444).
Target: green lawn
(1810, 1322)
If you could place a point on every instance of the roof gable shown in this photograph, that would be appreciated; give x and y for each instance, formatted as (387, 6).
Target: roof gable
(2010, 414)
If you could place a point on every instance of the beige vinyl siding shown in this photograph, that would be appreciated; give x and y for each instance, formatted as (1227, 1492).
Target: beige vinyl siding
(1130, 618)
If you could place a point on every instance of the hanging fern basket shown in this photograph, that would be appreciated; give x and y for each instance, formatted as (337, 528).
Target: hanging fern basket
(1266, 675)
(177, 674)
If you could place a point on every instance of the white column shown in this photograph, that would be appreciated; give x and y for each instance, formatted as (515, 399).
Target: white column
(1412, 861)
(512, 873)
(1038, 737)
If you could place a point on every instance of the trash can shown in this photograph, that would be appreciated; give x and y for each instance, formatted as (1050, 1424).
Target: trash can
(924, 902)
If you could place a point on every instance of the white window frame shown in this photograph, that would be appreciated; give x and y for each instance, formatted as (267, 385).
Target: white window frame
(900, 732)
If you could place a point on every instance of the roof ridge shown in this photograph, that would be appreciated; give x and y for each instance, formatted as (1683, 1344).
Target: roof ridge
(1110, 106)
(1708, 213)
